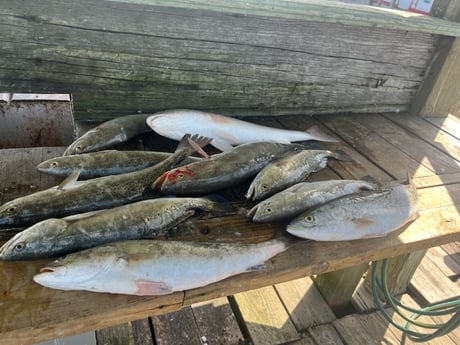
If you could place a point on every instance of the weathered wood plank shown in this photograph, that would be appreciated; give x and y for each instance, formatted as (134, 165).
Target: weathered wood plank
(120, 334)
(304, 303)
(352, 331)
(257, 58)
(376, 147)
(337, 287)
(216, 322)
(178, 327)
(428, 132)
(325, 334)
(266, 319)
(449, 124)
(453, 250)
(431, 285)
(142, 332)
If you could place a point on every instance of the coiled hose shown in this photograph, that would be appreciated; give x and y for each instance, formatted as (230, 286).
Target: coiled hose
(447, 307)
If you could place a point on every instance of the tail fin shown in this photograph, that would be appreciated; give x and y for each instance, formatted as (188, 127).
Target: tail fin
(193, 143)
(341, 155)
(220, 206)
(317, 134)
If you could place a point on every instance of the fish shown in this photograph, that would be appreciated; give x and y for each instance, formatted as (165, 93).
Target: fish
(302, 196)
(146, 218)
(109, 133)
(293, 168)
(221, 170)
(72, 196)
(103, 163)
(368, 214)
(154, 267)
(225, 131)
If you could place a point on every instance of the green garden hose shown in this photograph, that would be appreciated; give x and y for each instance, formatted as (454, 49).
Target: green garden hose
(447, 307)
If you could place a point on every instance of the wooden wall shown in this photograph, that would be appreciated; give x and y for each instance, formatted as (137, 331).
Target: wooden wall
(143, 56)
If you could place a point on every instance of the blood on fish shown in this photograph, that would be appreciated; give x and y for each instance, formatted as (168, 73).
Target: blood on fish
(220, 119)
(172, 175)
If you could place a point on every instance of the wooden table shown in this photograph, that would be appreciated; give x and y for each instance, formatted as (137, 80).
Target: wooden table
(382, 146)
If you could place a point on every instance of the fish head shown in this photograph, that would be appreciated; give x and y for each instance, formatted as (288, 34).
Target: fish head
(79, 270)
(39, 240)
(262, 211)
(264, 184)
(323, 223)
(10, 212)
(93, 140)
(54, 166)
(173, 181)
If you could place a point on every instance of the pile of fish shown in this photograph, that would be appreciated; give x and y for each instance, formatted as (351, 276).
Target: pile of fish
(105, 215)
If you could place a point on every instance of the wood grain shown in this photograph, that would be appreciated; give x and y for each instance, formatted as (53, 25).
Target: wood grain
(238, 58)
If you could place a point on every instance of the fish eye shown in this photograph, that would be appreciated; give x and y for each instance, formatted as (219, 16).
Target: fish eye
(264, 186)
(12, 209)
(180, 175)
(79, 148)
(309, 218)
(269, 210)
(20, 246)
(54, 164)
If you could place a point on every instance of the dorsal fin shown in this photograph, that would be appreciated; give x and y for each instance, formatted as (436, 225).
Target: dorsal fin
(70, 180)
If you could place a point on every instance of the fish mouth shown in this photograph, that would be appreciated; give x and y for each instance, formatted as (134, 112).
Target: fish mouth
(158, 183)
(252, 212)
(47, 270)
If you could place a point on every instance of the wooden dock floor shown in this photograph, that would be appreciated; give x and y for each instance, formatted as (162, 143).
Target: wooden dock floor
(294, 312)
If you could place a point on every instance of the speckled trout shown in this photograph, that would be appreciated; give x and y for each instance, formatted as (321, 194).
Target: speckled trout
(103, 163)
(226, 131)
(142, 219)
(73, 196)
(110, 133)
(222, 170)
(293, 168)
(302, 196)
(153, 267)
(367, 214)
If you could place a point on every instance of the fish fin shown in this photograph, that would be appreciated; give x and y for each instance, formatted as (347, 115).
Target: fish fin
(371, 180)
(342, 156)
(70, 180)
(250, 194)
(192, 143)
(256, 268)
(220, 205)
(362, 223)
(221, 144)
(317, 134)
(148, 287)
(368, 236)
(198, 149)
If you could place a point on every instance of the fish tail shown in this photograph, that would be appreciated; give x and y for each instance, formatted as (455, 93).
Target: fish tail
(287, 239)
(219, 205)
(193, 143)
(316, 133)
(341, 156)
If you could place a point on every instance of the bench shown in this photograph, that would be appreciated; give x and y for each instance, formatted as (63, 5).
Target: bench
(382, 137)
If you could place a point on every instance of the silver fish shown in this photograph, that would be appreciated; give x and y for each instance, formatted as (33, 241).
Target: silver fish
(74, 196)
(289, 170)
(103, 163)
(147, 218)
(302, 196)
(109, 133)
(152, 267)
(226, 131)
(221, 170)
(367, 214)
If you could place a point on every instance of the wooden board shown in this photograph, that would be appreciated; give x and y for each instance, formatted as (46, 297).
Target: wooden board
(304, 303)
(238, 58)
(30, 313)
(325, 334)
(120, 334)
(142, 332)
(178, 327)
(266, 319)
(449, 124)
(216, 322)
